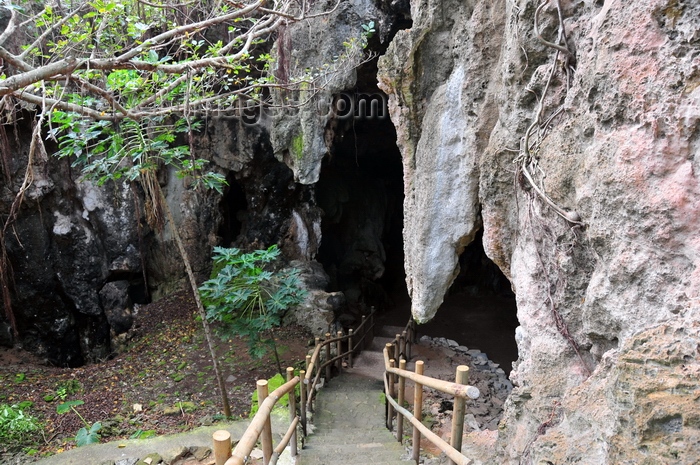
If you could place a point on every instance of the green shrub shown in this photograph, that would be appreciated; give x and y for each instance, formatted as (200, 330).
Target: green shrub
(16, 427)
(272, 384)
(248, 296)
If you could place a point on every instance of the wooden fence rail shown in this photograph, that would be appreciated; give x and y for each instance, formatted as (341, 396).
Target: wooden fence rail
(459, 389)
(260, 427)
(329, 354)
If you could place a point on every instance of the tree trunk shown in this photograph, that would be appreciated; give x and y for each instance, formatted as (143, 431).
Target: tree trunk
(200, 307)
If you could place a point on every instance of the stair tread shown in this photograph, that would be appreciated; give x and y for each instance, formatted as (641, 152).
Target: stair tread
(348, 417)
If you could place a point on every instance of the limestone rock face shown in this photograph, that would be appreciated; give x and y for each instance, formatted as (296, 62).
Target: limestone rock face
(639, 407)
(606, 304)
(434, 103)
(68, 239)
(328, 50)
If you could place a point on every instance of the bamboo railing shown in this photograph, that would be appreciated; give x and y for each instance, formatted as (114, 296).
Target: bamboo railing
(328, 354)
(398, 375)
(260, 428)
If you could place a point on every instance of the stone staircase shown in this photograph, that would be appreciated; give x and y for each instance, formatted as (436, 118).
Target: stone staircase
(370, 362)
(349, 426)
(348, 421)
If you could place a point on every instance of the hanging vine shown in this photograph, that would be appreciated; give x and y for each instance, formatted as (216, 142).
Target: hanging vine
(526, 161)
(527, 164)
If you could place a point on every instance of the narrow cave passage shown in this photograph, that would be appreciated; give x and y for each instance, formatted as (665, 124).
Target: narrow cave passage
(360, 191)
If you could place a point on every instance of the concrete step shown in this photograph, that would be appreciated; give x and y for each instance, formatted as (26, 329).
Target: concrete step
(358, 459)
(361, 453)
(378, 343)
(351, 436)
(349, 426)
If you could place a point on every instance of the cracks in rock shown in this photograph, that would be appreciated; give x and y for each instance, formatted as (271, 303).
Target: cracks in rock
(552, 420)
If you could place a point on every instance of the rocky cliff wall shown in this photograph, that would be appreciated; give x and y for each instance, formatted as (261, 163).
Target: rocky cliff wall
(580, 163)
(607, 290)
(80, 255)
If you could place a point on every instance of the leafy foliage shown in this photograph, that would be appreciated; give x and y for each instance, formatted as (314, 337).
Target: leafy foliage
(15, 425)
(89, 434)
(247, 297)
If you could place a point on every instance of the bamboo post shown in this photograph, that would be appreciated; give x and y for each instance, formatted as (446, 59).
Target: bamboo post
(328, 358)
(403, 345)
(417, 412)
(364, 333)
(392, 394)
(458, 411)
(350, 348)
(222, 446)
(317, 341)
(302, 400)
(397, 350)
(307, 361)
(402, 392)
(266, 434)
(292, 411)
(339, 350)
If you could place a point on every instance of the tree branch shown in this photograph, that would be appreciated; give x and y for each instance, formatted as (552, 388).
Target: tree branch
(20, 81)
(14, 61)
(187, 28)
(71, 107)
(11, 26)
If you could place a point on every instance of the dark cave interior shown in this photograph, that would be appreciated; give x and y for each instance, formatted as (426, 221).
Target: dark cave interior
(233, 207)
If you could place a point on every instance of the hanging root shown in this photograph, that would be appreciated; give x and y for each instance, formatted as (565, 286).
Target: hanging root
(559, 322)
(526, 161)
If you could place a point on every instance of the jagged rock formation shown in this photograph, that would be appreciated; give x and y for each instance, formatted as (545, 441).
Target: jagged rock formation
(600, 302)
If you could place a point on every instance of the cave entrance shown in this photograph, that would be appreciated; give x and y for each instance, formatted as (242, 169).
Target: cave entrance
(479, 310)
(233, 207)
(360, 191)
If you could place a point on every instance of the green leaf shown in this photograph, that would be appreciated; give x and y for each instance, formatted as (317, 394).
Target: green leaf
(85, 437)
(65, 407)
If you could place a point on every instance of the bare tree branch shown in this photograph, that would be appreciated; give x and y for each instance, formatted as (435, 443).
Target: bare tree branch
(20, 81)
(11, 26)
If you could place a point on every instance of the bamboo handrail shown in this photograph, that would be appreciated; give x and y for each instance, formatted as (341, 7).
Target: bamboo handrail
(459, 389)
(284, 442)
(450, 451)
(455, 389)
(259, 423)
(287, 436)
(251, 435)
